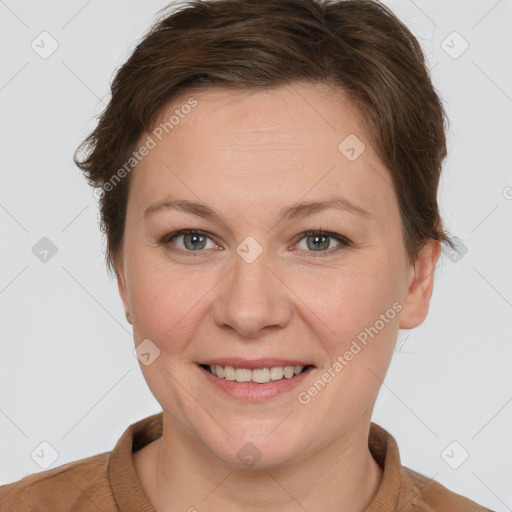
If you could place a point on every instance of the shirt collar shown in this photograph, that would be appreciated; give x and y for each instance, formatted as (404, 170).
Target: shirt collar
(394, 490)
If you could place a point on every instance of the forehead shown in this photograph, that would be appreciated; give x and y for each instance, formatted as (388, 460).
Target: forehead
(287, 114)
(259, 144)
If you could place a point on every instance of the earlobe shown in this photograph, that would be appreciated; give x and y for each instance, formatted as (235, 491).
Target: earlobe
(421, 285)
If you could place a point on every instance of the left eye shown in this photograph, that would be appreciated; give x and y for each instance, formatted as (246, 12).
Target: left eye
(320, 241)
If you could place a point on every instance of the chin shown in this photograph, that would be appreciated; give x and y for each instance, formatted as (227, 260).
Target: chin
(249, 451)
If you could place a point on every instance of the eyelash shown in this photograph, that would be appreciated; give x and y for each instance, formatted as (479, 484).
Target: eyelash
(344, 242)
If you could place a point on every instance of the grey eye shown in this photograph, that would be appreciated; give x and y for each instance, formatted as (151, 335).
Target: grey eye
(317, 242)
(192, 241)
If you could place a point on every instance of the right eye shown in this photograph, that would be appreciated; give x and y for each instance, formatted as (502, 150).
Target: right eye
(192, 240)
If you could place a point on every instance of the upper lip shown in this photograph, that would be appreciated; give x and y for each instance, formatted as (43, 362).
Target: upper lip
(251, 364)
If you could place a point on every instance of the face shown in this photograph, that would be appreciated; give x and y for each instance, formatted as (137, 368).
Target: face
(296, 258)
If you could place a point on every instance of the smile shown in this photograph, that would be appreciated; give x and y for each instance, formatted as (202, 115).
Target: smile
(257, 375)
(253, 385)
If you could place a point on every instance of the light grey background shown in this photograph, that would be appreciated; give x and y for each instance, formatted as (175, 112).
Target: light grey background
(67, 372)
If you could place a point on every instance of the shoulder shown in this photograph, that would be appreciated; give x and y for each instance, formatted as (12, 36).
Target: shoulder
(79, 485)
(431, 496)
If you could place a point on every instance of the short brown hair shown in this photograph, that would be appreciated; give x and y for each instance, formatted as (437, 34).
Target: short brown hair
(358, 46)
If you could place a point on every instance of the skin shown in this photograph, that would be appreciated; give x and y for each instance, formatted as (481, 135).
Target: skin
(248, 155)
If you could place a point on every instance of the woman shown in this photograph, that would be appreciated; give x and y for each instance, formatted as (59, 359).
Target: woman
(267, 175)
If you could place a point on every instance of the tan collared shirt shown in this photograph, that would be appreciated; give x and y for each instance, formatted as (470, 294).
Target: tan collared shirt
(108, 481)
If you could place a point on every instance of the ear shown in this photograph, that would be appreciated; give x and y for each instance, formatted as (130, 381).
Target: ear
(421, 285)
(123, 292)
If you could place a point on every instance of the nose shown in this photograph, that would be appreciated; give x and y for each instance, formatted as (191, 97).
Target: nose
(253, 299)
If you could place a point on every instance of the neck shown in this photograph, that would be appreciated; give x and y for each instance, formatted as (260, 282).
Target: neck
(178, 473)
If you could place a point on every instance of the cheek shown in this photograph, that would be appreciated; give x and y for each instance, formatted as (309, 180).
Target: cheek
(166, 300)
(349, 298)
(360, 310)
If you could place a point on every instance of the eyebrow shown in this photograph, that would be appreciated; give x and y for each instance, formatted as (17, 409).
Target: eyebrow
(300, 210)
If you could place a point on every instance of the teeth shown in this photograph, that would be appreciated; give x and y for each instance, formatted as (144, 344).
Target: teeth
(229, 372)
(288, 372)
(276, 373)
(243, 375)
(259, 375)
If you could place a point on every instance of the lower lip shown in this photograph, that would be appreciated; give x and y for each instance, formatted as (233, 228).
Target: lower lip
(253, 392)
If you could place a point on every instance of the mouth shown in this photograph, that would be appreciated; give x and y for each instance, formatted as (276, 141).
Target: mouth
(254, 381)
(256, 375)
